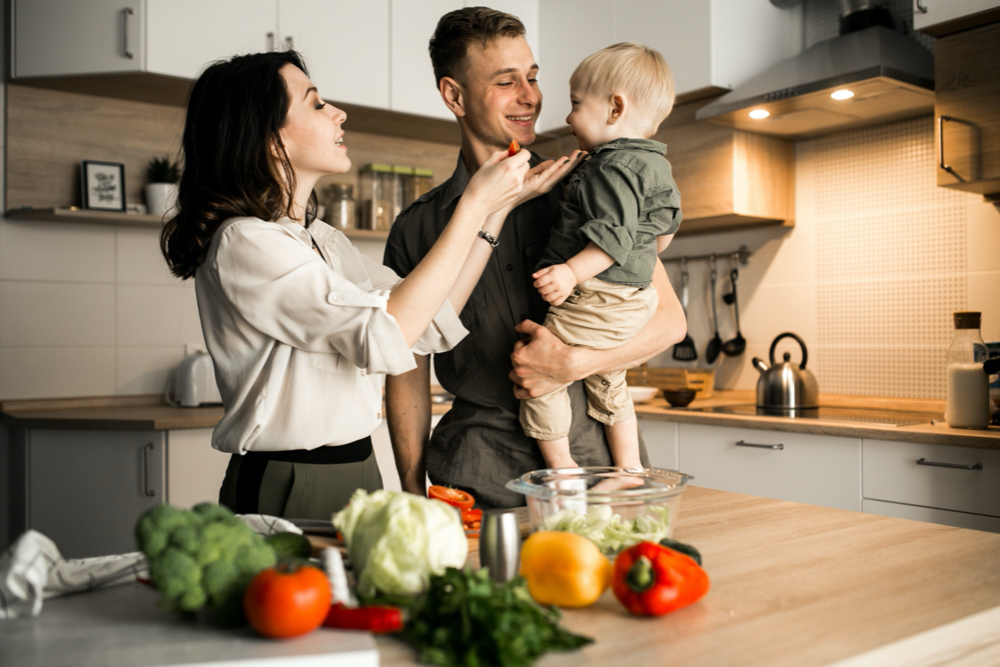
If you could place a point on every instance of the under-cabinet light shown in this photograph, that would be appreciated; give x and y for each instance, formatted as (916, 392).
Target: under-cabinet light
(760, 113)
(842, 94)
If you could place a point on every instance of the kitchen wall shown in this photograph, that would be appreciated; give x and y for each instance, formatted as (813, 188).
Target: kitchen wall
(90, 309)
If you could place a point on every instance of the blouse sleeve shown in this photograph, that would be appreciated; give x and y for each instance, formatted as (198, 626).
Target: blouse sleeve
(287, 291)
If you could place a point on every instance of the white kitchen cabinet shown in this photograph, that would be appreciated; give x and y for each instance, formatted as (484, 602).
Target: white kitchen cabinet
(59, 37)
(949, 479)
(194, 469)
(931, 515)
(414, 89)
(661, 443)
(806, 468)
(85, 490)
(345, 45)
(183, 36)
(943, 17)
(711, 46)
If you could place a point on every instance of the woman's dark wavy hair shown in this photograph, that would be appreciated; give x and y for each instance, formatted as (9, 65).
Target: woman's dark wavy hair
(234, 115)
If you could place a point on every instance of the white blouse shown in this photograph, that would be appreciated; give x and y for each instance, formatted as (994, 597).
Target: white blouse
(300, 342)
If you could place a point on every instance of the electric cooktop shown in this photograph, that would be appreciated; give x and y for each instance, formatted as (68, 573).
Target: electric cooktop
(860, 415)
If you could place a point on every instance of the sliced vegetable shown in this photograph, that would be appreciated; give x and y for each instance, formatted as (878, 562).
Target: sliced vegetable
(287, 601)
(373, 618)
(652, 580)
(564, 569)
(472, 520)
(608, 530)
(685, 549)
(513, 148)
(454, 497)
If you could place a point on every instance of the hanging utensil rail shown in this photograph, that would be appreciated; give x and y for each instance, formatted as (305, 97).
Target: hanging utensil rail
(742, 256)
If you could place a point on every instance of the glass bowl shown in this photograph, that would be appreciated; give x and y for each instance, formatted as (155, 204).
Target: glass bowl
(614, 507)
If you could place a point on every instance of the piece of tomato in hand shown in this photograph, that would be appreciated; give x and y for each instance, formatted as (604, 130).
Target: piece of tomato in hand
(454, 497)
(287, 601)
(513, 148)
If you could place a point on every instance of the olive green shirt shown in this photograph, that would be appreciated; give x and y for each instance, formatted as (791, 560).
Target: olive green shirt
(479, 444)
(621, 199)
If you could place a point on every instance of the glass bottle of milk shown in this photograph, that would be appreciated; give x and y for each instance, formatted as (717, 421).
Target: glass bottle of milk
(968, 385)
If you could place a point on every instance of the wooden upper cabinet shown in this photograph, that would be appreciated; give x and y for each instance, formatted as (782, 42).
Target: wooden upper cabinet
(967, 105)
(728, 179)
(710, 45)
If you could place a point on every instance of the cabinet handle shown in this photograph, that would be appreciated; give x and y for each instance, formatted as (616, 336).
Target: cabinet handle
(127, 12)
(740, 443)
(946, 167)
(289, 43)
(270, 41)
(958, 466)
(149, 489)
(921, 8)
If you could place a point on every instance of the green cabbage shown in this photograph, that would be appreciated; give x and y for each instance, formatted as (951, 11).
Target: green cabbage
(608, 530)
(397, 540)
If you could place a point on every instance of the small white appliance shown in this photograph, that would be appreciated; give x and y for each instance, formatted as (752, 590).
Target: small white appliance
(193, 383)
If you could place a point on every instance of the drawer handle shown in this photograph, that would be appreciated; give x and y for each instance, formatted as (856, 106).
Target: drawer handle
(959, 466)
(149, 490)
(751, 444)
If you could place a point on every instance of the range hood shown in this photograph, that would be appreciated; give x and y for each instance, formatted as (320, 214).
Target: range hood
(869, 74)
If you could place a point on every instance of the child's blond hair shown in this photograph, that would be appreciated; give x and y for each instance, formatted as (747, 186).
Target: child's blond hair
(636, 70)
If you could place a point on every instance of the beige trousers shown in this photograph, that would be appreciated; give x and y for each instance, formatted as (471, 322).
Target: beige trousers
(598, 315)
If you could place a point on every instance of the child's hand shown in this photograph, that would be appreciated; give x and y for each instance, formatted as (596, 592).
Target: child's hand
(543, 177)
(555, 283)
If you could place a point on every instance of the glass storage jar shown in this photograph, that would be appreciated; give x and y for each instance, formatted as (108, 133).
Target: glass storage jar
(967, 382)
(341, 207)
(377, 184)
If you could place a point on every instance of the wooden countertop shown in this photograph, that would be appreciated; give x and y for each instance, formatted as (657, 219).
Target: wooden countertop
(150, 413)
(792, 584)
(938, 433)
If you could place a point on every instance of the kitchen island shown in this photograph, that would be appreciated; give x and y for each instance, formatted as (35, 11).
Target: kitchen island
(792, 584)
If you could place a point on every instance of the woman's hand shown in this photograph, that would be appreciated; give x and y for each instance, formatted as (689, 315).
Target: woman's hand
(498, 182)
(543, 177)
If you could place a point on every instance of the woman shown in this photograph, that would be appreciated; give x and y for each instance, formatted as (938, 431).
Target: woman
(300, 325)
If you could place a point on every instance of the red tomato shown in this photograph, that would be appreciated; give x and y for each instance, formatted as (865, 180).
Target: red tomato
(513, 148)
(287, 601)
(453, 497)
(472, 520)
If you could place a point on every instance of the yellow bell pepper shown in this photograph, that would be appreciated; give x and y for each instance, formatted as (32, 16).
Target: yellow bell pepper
(564, 569)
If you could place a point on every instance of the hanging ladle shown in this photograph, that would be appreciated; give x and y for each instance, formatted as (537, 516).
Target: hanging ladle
(734, 347)
(714, 345)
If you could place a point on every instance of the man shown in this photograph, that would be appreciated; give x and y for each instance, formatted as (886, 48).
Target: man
(486, 76)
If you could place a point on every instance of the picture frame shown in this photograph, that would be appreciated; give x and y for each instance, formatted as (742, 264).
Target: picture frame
(103, 185)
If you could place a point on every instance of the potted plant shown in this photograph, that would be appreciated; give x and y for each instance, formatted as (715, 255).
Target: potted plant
(161, 189)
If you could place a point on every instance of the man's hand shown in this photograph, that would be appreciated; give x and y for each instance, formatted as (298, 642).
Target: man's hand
(555, 283)
(542, 177)
(543, 363)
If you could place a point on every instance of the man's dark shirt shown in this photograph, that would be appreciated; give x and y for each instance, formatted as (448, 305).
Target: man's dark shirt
(479, 445)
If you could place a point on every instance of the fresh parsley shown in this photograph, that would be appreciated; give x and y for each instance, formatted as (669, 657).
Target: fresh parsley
(465, 618)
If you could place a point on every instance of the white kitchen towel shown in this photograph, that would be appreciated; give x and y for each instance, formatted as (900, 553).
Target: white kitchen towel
(32, 569)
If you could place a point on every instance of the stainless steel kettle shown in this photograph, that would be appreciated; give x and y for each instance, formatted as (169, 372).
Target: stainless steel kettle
(786, 386)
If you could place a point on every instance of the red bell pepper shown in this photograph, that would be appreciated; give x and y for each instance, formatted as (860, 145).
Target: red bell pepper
(652, 580)
(373, 618)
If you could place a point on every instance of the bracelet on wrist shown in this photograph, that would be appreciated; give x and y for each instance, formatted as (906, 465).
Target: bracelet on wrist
(489, 238)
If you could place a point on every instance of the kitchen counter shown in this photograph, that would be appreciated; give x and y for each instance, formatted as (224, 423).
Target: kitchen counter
(149, 412)
(792, 584)
(935, 433)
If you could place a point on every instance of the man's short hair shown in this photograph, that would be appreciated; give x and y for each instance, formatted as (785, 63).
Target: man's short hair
(457, 30)
(636, 70)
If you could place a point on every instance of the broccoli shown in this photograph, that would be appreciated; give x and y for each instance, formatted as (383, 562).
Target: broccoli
(203, 557)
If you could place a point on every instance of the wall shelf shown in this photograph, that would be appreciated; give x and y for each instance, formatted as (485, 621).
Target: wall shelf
(79, 215)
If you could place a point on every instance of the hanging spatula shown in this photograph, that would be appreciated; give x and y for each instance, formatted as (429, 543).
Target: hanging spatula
(714, 345)
(685, 350)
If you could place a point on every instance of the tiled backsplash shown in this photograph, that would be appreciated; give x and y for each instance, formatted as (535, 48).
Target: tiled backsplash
(878, 260)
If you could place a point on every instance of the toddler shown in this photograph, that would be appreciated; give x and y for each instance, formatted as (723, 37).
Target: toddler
(620, 210)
